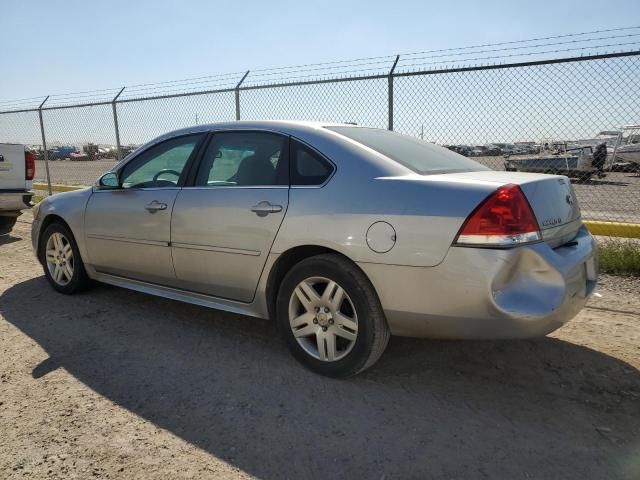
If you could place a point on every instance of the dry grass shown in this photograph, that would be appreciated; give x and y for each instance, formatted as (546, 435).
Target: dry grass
(620, 257)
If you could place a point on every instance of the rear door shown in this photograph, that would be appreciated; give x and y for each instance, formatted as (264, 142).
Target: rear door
(128, 230)
(12, 167)
(223, 225)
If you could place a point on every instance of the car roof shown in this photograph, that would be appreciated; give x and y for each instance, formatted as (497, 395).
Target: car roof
(282, 126)
(312, 133)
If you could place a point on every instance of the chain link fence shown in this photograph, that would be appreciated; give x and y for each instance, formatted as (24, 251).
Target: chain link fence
(562, 116)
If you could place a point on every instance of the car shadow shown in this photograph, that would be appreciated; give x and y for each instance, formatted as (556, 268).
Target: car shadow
(429, 409)
(8, 238)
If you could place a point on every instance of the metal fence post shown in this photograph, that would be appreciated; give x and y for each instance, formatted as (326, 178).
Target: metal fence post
(390, 92)
(115, 124)
(44, 144)
(237, 92)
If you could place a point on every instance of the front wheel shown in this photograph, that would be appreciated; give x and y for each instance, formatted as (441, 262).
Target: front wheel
(61, 260)
(330, 316)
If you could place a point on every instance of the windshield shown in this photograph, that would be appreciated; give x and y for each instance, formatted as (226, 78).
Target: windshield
(420, 156)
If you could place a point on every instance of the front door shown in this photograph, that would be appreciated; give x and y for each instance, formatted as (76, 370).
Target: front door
(223, 227)
(128, 229)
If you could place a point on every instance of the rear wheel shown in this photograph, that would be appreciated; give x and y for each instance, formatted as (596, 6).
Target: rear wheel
(61, 260)
(330, 316)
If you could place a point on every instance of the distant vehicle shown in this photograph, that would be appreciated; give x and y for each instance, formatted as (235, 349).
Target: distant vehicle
(629, 153)
(625, 150)
(106, 152)
(61, 152)
(492, 151)
(91, 150)
(460, 149)
(342, 234)
(559, 158)
(507, 149)
(79, 157)
(17, 169)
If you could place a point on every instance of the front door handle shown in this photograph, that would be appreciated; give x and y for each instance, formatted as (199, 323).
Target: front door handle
(154, 206)
(264, 208)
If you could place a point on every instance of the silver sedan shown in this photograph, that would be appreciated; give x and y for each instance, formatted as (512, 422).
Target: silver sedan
(342, 234)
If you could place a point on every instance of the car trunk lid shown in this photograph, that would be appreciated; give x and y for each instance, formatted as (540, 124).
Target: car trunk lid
(552, 199)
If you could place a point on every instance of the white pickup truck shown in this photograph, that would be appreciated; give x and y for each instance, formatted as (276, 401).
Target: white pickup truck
(17, 169)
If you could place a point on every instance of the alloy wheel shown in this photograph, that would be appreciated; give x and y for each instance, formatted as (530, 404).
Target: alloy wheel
(323, 319)
(59, 258)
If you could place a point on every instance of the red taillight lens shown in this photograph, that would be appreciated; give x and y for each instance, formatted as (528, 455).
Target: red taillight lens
(29, 165)
(503, 219)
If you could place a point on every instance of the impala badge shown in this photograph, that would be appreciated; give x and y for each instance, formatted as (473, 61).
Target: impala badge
(550, 222)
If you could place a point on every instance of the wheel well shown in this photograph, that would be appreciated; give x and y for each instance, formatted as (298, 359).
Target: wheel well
(285, 262)
(48, 220)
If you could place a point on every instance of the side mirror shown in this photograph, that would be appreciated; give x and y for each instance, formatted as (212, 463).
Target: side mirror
(109, 181)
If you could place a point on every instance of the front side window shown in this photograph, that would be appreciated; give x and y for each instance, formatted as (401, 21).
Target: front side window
(307, 167)
(161, 165)
(239, 159)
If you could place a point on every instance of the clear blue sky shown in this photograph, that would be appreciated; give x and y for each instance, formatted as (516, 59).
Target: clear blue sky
(61, 46)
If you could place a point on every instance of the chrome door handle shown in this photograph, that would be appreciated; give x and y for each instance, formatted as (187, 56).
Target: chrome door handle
(154, 206)
(264, 208)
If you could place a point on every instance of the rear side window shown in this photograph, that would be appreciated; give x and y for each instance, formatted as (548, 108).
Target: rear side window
(307, 167)
(417, 155)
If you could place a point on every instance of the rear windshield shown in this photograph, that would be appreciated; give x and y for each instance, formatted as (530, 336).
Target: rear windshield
(420, 156)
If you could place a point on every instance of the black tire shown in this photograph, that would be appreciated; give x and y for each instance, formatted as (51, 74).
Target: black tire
(7, 224)
(372, 333)
(80, 280)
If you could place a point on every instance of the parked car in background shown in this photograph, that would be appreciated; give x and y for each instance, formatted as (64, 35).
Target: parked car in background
(61, 152)
(493, 151)
(342, 234)
(17, 169)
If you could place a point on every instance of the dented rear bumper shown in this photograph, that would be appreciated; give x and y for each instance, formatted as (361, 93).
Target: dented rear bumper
(478, 293)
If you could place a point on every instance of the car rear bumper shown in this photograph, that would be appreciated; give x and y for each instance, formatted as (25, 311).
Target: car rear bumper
(480, 293)
(13, 202)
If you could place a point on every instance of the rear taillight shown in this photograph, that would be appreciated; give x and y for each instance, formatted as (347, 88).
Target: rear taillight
(29, 165)
(504, 219)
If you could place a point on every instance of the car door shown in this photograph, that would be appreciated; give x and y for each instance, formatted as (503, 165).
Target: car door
(223, 225)
(128, 228)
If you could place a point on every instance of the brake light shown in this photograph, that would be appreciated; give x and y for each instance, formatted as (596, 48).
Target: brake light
(29, 165)
(504, 219)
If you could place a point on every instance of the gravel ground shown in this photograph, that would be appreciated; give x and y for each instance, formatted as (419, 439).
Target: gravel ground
(117, 384)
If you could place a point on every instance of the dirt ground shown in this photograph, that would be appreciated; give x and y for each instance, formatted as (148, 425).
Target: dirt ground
(118, 384)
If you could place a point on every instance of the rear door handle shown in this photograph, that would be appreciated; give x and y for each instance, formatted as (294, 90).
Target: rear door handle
(154, 206)
(264, 208)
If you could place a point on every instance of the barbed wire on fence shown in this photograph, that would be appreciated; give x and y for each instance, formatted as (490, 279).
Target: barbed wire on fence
(588, 43)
